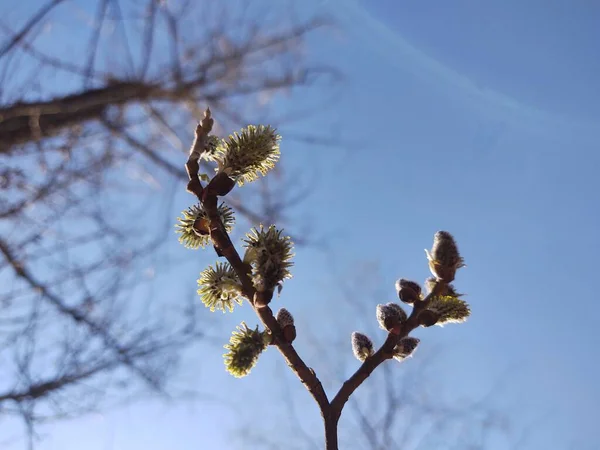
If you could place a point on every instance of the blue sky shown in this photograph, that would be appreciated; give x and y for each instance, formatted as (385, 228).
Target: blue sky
(479, 118)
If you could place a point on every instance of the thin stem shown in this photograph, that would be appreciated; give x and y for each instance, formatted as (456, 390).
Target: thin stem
(385, 352)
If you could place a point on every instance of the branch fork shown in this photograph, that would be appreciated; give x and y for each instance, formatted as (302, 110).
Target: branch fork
(443, 262)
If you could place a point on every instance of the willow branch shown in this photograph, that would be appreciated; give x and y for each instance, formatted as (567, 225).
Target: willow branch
(385, 352)
(259, 300)
(224, 247)
(35, 19)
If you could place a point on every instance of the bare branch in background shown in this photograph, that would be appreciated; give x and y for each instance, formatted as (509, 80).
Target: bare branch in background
(33, 21)
(91, 136)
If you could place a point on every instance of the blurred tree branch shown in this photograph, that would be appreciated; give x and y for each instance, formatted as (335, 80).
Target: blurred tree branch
(87, 136)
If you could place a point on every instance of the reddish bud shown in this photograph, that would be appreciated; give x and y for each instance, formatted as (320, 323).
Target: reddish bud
(289, 333)
(408, 291)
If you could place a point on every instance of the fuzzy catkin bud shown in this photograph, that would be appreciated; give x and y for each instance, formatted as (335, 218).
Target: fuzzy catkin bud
(445, 249)
(269, 253)
(449, 309)
(284, 318)
(430, 283)
(390, 316)
(448, 289)
(444, 258)
(245, 346)
(405, 348)
(362, 346)
(408, 291)
(254, 150)
(220, 287)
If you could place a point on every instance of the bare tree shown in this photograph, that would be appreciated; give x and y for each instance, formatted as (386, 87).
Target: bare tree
(90, 142)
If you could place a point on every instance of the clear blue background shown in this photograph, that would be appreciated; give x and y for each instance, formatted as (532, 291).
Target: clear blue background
(480, 118)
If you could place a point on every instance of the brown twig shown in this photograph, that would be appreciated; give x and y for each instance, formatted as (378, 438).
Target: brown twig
(330, 410)
(35, 19)
(69, 250)
(122, 352)
(385, 352)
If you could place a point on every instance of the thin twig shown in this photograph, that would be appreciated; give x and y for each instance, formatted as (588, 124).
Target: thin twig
(28, 26)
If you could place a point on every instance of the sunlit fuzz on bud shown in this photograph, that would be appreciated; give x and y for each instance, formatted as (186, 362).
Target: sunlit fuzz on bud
(220, 287)
(430, 283)
(194, 225)
(246, 154)
(362, 347)
(284, 318)
(444, 258)
(390, 316)
(245, 346)
(269, 253)
(450, 309)
(446, 289)
(450, 291)
(405, 348)
(408, 291)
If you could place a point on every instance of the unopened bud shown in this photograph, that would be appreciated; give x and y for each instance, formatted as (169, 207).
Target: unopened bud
(289, 333)
(201, 226)
(284, 318)
(408, 291)
(221, 184)
(362, 346)
(405, 348)
(390, 316)
(207, 121)
(444, 258)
